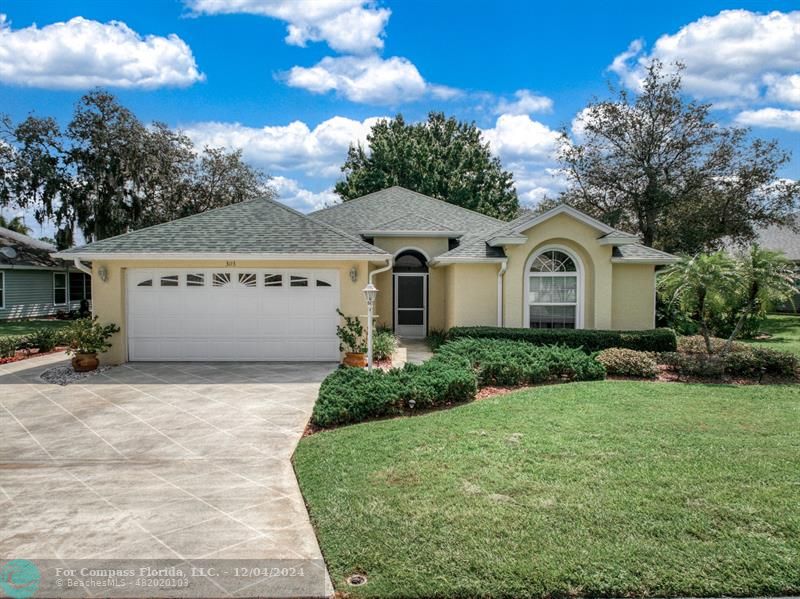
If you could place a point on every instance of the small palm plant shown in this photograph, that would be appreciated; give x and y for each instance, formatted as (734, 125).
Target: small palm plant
(700, 285)
(706, 285)
(764, 278)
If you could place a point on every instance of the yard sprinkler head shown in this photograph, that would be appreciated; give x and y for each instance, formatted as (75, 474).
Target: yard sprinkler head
(356, 580)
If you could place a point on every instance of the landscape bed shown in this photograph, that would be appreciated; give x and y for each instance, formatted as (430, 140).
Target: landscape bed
(589, 489)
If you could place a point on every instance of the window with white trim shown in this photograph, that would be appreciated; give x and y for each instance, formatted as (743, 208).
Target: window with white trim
(553, 291)
(2, 290)
(59, 288)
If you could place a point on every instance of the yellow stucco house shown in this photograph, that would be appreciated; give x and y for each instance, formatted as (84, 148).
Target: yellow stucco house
(260, 281)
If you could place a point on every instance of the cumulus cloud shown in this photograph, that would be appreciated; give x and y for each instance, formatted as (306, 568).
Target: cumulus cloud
(770, 117)
(367, 79)
(516, 137)
(348, 26)
(735, 57)
(525, 102)
(82, 53)
(296, 153)
(317, 152)
(291, 193)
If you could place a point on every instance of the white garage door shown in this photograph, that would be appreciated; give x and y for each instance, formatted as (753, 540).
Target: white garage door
(232, 314)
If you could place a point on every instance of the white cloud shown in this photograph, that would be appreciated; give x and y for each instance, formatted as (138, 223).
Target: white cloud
(517, 137)
(770, 117)
(350, 26)
(784, 89)
(734, 57)
(81, 53)
(317, 152)
(533, 185)
(296, 152)
(367, 79)
(292, 194)
(525, 102)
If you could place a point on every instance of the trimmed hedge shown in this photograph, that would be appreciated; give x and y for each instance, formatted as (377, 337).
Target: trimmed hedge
(503, 362)
(745, 361)
(628, 362)
(352, 394)
(590, 341)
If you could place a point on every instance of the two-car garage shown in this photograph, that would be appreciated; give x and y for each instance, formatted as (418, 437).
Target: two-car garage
(232, 314)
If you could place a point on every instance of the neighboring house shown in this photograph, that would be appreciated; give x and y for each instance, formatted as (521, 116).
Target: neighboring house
(35, 284)
(786, 240)
(260, 281)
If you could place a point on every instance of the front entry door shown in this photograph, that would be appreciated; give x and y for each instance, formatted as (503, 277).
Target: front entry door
(410, 304)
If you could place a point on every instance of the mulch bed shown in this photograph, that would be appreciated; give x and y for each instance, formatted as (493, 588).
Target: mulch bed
(24, 354)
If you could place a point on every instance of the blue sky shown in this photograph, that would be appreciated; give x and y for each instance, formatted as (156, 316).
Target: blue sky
(292, 82)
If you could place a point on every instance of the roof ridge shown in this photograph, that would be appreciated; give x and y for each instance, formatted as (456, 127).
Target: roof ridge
(417, 193)
(327, 226)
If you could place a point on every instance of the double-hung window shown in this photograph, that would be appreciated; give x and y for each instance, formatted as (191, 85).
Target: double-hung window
(59, 288)
(553, 290)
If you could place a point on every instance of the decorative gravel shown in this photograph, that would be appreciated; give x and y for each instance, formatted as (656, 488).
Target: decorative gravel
(64, 375)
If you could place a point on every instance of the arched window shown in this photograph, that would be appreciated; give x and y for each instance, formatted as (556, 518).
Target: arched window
(410, 261)
(554, 288)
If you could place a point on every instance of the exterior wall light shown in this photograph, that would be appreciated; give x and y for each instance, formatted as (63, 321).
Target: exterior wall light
(102, 272)
(354, 274)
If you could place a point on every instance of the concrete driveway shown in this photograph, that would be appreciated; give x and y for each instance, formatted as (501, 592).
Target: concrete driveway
(177, 461)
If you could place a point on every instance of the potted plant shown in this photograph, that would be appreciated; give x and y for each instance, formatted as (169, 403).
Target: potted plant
(351, 341)
(87, 338)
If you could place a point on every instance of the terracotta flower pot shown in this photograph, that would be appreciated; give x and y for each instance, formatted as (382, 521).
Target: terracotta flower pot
(356, 360)
(85, 362)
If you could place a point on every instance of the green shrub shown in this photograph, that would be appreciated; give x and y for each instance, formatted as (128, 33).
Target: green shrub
(757, 361)
(699, 365)
(8, 346)
(384, 344)
(436, 338)
(503, 362)
(654, 340)
(352, 394)
(696, 344)
(628, 362)
(44, 339)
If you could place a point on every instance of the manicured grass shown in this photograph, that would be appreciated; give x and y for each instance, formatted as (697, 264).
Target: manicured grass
(25, 327)
(785, 331)
(595, 489)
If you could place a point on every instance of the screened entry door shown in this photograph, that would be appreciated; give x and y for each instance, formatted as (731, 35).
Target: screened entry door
(410, 304)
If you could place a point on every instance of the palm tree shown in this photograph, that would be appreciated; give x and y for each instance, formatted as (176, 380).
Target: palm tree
(15, 224)
(701, 285)
(764, 277)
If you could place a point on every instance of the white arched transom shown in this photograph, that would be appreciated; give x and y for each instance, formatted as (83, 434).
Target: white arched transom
(554, 281)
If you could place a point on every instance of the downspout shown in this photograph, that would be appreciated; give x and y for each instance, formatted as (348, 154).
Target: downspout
(500, 273)
(389, 264)
(82, 267)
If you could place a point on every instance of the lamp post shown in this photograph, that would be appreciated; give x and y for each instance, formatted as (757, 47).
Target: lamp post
(370, 293)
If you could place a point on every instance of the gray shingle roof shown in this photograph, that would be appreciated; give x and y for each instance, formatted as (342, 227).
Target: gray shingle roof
(413, 222)
(372, 211)
(259, 226)
(782, 239)
(637, 252)
(30, 252)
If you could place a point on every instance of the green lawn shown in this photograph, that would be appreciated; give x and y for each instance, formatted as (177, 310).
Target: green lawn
(25, 327)
(785, 331)
(595, 489)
